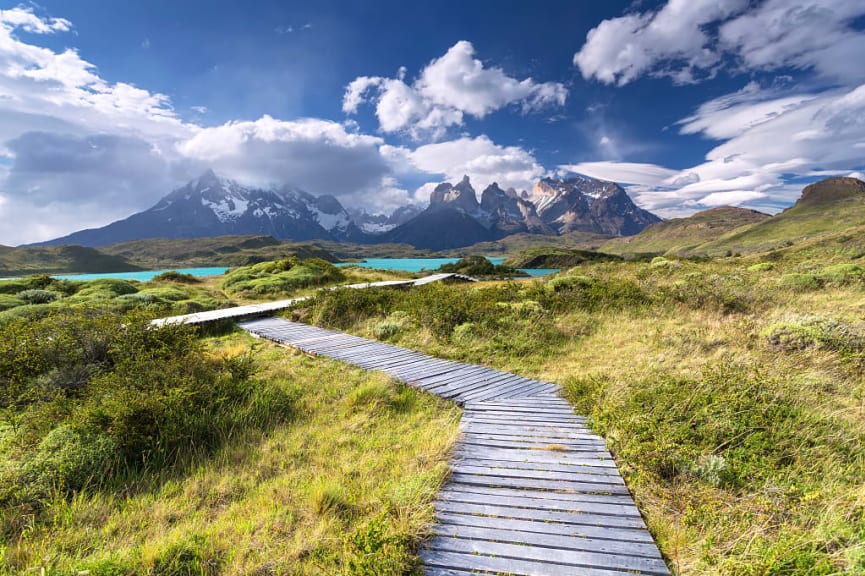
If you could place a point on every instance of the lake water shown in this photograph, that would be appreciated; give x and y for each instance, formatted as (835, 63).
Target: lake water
(146, 275)
(404, 264)
(418, 264)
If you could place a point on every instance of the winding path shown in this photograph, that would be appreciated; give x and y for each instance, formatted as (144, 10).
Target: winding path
(532, 491)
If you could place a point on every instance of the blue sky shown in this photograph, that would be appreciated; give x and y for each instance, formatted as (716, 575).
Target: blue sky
(107, 106)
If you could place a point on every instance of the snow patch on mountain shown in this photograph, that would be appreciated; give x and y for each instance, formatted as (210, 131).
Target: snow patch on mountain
(228, 208)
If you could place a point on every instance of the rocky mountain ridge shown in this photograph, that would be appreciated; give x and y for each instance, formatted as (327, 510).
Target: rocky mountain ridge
(213, 206)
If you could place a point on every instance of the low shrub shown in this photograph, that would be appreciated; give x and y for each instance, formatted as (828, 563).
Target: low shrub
(800, 282)
(761, 267)
(67, 460)
(38, 296)
(387, 329)
(174, 276)
(281, 277)
(802, 332)
(843, 273)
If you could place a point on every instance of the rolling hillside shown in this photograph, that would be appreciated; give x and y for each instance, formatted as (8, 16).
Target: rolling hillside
(683, 235)
(828, 207)
(59, 260)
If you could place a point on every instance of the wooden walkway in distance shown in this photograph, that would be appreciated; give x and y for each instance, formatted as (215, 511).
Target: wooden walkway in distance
(532, 490)
(266, 308)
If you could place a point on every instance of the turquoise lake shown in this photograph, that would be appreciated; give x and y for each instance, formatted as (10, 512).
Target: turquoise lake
(405, 264)
(418, 264)
(146, 275)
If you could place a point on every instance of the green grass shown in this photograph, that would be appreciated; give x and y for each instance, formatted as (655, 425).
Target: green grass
(39, 295)
(303, 466)
(732, 399)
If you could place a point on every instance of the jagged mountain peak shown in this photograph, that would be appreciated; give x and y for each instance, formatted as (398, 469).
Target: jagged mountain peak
(461, 197)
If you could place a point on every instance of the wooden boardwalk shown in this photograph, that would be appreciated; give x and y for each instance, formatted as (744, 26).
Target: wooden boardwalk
(267, 308)
(532, 490)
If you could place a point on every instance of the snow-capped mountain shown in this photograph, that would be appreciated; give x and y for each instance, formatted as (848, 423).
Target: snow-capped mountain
(588, 204)
(213, 206)
(379, 223)
(455, 218)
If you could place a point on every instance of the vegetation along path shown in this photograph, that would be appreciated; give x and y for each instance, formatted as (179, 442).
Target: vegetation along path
(532, 490)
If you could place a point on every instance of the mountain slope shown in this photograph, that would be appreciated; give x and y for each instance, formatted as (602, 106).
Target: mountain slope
(214, 206)
(439, 228)
(681, 235)
(157, 253)
(588, 205)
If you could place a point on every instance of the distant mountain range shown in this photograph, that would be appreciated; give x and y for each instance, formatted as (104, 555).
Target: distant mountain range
(214, 206)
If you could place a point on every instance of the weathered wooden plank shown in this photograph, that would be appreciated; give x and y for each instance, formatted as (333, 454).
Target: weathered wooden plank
(540, 515)
(480, 460)
(464, 385)
(620, 505)
(492, 378)
(546, 540)
(537, 456)
(476, 468)
(562, 529)
(563, 485)
(509, 566)
(546, 554)
(603, 513)
(521, 384)
(587, 465)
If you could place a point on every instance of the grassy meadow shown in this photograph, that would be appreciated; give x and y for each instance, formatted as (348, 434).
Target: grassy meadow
(215, 455)
(730, 391)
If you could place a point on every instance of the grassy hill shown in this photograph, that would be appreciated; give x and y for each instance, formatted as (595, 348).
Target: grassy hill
(158, 253)
(60, 260)
(828, 206)
(517, 242)
(553, 257)
(684, 235)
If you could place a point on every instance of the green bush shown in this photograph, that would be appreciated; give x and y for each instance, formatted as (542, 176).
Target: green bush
(374, 549)
(387, 329)
(342, 307)
(843, 273)
(90, 393)
(38, 296)
(725, 293)
(67, 460)
(174, 276)
(815, 331)
(281, 277)
(800, 282)
(12, 287)
(761, 267)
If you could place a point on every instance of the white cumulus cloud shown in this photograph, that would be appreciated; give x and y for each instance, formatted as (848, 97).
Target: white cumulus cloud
(688, 39)
(479, 158)
(448, 88)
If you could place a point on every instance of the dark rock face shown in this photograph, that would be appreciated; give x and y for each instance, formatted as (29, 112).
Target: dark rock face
(508, 213)
(831, 190)
(588, 205)
(461, 197)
